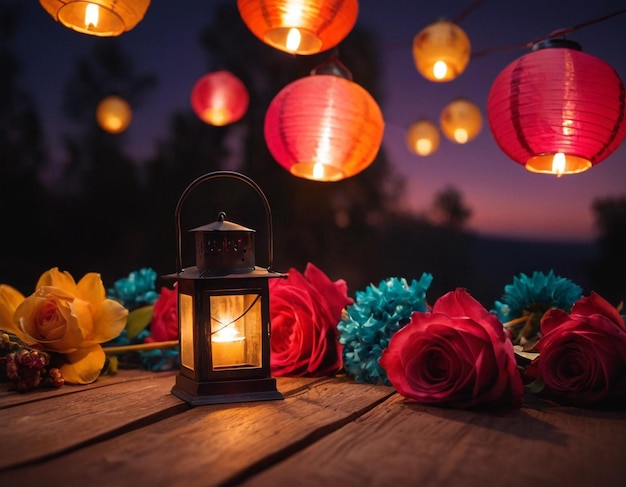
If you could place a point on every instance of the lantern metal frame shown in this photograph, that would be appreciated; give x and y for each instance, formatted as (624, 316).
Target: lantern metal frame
(199, 381)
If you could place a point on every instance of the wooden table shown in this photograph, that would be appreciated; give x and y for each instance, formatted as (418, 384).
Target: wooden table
(129, 430)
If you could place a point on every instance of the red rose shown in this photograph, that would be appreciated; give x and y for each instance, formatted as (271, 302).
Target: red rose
(164, 324)
(582, 355)
(457, 355)
(305, 311)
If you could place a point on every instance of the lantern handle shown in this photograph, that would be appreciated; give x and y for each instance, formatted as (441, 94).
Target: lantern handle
(212, 175)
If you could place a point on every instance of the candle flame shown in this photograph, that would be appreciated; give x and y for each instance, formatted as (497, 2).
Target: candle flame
(318, 171)
(91, 16)
(558, 164)
(423, 147)
(227, 334)
(460, 135)
(440, 69)
(294, 38)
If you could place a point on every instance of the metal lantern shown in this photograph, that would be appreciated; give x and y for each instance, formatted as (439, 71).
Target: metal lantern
(219, 98)
(299, 26)
(461, 121)
(441, 51)
(557, 110)
(223, 311)
(422, 138)
(324, 127)
(103, 18)
(113, 114)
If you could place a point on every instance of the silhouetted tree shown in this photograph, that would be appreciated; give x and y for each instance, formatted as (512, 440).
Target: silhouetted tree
(23, 197)
(101, 190)
(449, 209)
(609, 271)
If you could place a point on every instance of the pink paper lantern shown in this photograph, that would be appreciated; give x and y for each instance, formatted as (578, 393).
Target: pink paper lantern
(557, 110)
(324, 127)
(219, 98)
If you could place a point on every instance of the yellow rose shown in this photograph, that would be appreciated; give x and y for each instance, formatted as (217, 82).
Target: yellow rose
(10, 299)
(72, 319)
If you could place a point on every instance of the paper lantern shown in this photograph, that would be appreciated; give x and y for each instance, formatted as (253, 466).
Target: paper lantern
(113, 114)
(324, 127)
(104, 18)
(423, 137)
(299, 26)
(441, 51)
(219, 98)
(461, 121)
(557, 110)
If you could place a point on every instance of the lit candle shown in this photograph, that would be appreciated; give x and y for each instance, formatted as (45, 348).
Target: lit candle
(227, 347)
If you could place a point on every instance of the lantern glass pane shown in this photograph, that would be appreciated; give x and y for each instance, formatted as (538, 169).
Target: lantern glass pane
(185, 316)
(235, 325)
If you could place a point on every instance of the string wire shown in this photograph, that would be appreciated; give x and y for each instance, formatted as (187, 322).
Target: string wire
(556, 33)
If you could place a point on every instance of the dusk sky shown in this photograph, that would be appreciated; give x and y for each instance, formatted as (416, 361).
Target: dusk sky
(505, 199)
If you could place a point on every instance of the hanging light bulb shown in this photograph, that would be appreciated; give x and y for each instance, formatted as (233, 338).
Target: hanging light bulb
(324, 127)
(104, 18)
(219, 98)
(299, 26)
(557, 110)
(423, 137)
(113, 114)
(441, 51)
(461, 121)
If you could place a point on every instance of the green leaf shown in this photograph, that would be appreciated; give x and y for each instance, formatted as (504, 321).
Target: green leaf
(138, 320)
(536, 386)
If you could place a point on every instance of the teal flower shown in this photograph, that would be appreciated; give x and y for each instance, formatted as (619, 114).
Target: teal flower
(136, 290)
(377, 313)
(527, 299)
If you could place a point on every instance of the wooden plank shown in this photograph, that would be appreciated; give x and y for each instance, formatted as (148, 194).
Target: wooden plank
(11, 398)
(43, 428)
(50, 424)
(399, 443)
(211, 445)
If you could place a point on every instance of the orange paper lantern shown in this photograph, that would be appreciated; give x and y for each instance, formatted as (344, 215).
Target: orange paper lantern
(557, 110)
(299, 26)
(324, 127)
(219, 98)
(423, 137)
(113, 114)
(441, 51)
(103, 18)
(461, 121)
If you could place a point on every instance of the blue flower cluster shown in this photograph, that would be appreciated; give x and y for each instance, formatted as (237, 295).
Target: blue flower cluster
(377, 313)
(136, 290)
(531, 297)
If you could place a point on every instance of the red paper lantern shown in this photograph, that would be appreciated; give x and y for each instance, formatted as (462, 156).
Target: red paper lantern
(557, 110)
(299, 26)
(219, 98)
(324, 127)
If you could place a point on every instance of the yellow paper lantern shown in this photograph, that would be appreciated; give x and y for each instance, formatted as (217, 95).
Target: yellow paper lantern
(423, 137)
(441, 51)
(461, 121)
(299, 26)
(113, 114)
(103, 18)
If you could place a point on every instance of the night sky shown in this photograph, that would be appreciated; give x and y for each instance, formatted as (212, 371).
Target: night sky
(506, 199)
